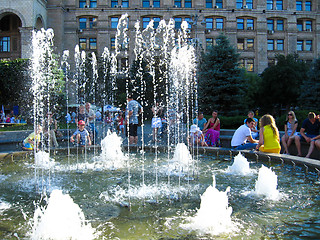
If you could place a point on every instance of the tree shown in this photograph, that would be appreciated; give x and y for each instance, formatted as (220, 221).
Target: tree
(220, 82)
(310, 88)
(14, 81)
(280, 86)
(251, 82)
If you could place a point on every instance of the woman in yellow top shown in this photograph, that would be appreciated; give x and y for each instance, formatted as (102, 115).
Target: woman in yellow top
(269, 140)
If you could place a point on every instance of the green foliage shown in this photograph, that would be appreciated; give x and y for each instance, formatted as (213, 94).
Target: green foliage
(220, 82)
(280, 86)
(14, 81)
(251, 87)
(229, 122)
(310, 88)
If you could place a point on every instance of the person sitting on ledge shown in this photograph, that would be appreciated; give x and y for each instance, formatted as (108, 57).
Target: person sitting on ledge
(196, 137)
(32, 139)
(242, 135)
(269, 140)
(81, 134)
(308, 133)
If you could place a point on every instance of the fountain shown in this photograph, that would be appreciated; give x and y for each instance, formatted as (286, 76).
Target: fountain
(117, 194)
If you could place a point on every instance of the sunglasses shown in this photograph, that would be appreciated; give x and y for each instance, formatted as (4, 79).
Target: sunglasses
(290, 114)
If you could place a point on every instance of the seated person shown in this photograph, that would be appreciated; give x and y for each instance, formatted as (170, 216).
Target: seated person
(81, 134)
(212, 130)
(196, 137)
(34, 137)
(254, 129)
(269, 140)
(200, 121)
(290, 131)
(242, 135)
(308, 132)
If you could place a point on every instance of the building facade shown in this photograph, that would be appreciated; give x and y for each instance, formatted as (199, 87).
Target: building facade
(258, 29)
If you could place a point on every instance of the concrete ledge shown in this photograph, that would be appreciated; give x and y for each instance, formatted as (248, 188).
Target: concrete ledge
(258, 156)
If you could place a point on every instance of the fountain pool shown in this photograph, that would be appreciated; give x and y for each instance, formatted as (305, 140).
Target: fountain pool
(168, 208)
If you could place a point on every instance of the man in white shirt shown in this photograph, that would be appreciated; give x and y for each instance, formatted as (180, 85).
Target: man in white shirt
(242, 135)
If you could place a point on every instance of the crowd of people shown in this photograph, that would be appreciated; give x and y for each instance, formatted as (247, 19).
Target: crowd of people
(266, 139)
(202, 132)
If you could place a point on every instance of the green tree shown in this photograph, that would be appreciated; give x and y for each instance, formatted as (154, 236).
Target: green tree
(220, 81)
(14, 81)
(280, 85)
(252, 82)
(310, 88)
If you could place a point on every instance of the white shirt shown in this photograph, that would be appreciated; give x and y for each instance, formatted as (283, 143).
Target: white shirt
(240, 136)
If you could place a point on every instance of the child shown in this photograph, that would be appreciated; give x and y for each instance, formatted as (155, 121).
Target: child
(196, 137)
(82, 135)
(28, 143)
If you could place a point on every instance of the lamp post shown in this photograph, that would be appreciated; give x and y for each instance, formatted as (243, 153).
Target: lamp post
(197, 43)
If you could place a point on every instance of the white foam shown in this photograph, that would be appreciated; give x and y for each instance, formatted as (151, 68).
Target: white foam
(61, 219)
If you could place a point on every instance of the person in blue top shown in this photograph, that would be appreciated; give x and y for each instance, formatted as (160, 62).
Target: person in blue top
(308, 133)
(81, 134)
(133, 110)
(200, 121)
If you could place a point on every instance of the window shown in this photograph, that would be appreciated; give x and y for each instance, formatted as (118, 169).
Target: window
(300, 25)
(219, 23)
(177, 3)
(279, 25)
(270, 44)
(308, 25)
(240, 44)
(83, 43)
(249, 65)
(82, 23)
(188, 20)
(113, 43)
(269, 4)
(240, 24)
(82, 3)
(145, 22)
(125, 3)
(146, 3)
(219, 4)
(209, 4)
(270, 24)
(92, 22)
(250, 44)
(209, 23)
(308, 45)
(299, 45)
(280, 44)
(209, 42)
(187, 3)
(4, 44)
(114, 22)
(299, 5)
(308, 6)
(239, 4)
(249, 4)
(241, 63)
(156, 3)
(93, 3)
(114, 3)
(92, 43)
(250, 25)
(279, 5)
(177, 22)
(245, 44)
(156, 21)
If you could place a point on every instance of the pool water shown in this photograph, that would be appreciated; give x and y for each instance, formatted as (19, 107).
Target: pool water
(117, 205)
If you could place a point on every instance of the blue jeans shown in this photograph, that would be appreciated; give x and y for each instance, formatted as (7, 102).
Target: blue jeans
(246, 146)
